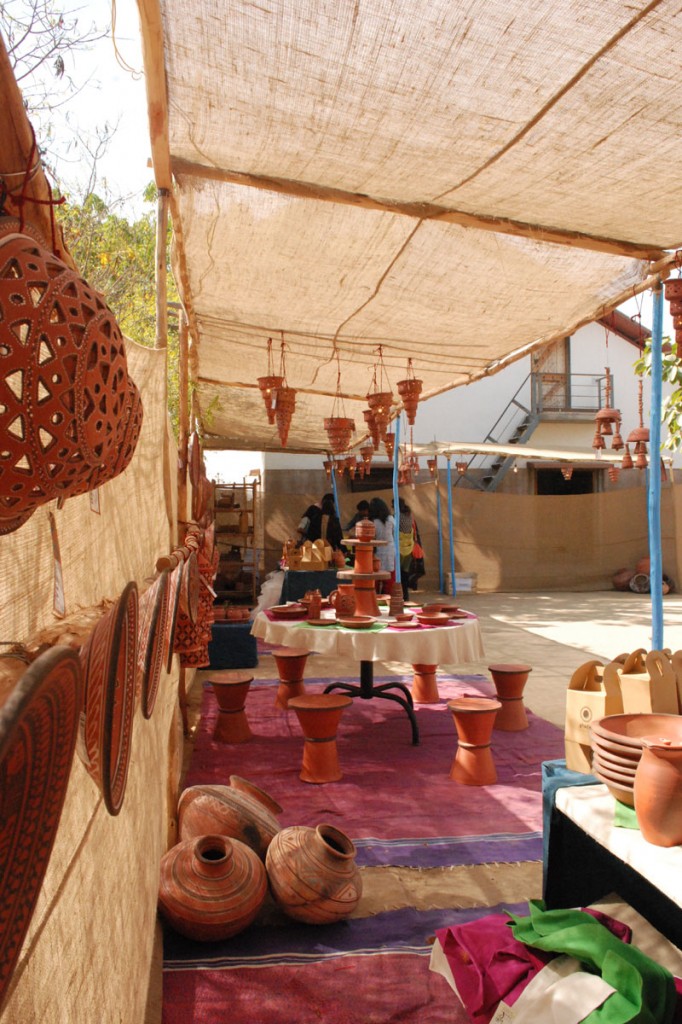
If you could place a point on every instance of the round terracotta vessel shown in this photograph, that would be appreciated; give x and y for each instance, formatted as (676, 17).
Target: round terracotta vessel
(319, 715)
(231, 689)
(474, 718)
(658, 793)
(510, 681)
(239, 811)
(290, 663)
(211, 887)
(313, 875)
(343, 600)
(365, 529)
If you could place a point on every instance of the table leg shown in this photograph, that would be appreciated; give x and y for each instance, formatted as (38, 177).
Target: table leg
(367, 690)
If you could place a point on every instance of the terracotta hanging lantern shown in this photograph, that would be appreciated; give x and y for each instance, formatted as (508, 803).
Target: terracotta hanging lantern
(606, 420)
(361, 468)
(461, 467)
(380, 399)
(627, 462)
(639, 437)
(372, 426)
(567, 472)
(351, 466)
(328, 467)
(340, 428)
(268, 386)
(340, 467)
(70, 416)
(389, 442)
(673, 293)
(431, 463)
(614, 473)
(366, 452)
(285, 406)
(409, 390)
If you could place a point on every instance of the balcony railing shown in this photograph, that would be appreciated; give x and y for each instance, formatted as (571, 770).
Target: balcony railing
(566, 392)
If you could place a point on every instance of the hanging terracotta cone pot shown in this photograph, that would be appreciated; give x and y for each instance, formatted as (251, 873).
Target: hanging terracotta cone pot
(366, 453)
(373, 428)
(70, 416)
(285, 405)
(268, 386)
(240, 811)
(339, 431)
(673, 293)
(389, 442)
(211, 887)
(380, 403)
(409, 390)
(313, 875)
(109, 660)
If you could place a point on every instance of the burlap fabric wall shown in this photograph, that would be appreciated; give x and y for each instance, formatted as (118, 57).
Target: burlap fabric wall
(512, 542)
(89, 948)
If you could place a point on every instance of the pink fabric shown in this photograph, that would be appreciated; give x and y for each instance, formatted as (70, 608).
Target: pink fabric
(488, 964)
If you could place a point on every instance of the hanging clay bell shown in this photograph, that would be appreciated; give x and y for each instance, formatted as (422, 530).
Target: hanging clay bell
(268, 386)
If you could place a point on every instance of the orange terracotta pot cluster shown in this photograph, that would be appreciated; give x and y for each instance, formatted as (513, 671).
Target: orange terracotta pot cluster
(673, 293)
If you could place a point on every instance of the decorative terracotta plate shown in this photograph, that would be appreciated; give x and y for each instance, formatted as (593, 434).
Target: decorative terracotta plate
(405, 624)
(152, 653)
(38, 730)
(174, 586)
(434, 619)
(191, 587)
(288, 611)
(457, 615)
(321, 622)
(109, 658)
(357, 622)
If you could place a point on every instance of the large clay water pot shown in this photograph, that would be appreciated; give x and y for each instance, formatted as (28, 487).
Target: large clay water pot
(343, 600)
(658, 792)
(239, 811)
(313, 874)
(211, 887)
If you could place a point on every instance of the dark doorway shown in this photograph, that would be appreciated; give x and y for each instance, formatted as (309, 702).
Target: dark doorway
(552, 481)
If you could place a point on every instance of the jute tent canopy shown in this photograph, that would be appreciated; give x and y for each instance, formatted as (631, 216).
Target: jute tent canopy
(456, 184)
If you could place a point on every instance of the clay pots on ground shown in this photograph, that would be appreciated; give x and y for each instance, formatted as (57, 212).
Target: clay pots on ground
(239, 811)
(313, 875)
(211, 887)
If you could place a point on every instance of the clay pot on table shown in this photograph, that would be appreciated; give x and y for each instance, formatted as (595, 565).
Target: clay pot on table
(239, 811)
(658, 792)
(211, 887)
(313, 874)
(343, 600)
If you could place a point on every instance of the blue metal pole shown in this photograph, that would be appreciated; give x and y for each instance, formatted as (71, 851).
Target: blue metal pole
(396, 500)
(336, 493)
(452, 535)
(441, 575)
(654, 500)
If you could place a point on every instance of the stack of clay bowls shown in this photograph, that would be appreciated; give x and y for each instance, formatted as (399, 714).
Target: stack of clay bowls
(617, 748)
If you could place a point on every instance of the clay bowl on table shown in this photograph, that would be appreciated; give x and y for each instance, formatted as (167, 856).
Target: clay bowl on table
(288, 611)
(629, 730)
(433, 618)
(623, 776)
(628, 766)
(356, 621)
(618, 792)
(404, 617)
(432, 609)
(630, 755)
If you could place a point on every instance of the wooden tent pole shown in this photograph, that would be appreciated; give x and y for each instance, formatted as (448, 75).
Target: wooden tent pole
(654, 496)
(183, 420)
(161, 274)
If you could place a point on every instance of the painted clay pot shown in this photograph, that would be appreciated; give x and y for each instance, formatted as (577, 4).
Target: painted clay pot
(211, 887)
(343, 600)
(313, 875)
(239, 811)
(658, 792)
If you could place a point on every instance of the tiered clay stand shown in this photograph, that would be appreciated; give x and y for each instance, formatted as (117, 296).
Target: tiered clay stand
(424, 685)
(363, 578)
(231, 689)
(510, 681)
(290, 663)
(474, 718)
(319, 715)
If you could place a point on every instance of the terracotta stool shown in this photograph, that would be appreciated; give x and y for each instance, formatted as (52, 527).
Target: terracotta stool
(290, 668)
(231, 689)
(424, 688)
(319, 715)
(474, 718)
(509, 683)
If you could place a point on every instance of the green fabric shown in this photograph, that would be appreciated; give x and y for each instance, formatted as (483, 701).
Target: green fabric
(624, 816)
(645, 991)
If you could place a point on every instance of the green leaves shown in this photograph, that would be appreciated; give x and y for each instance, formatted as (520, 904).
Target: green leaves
(672, 374)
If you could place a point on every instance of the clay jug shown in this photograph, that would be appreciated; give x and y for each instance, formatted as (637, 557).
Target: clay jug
(343, 600)
(313, 875)
(314, 604)
(211, 887)
(240, 811)
(658, 792)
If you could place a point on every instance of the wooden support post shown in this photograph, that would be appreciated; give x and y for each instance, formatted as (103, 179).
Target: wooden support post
(161, 273)
(183, 424)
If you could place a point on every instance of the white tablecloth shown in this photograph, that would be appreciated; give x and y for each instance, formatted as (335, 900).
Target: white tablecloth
(441, 645)
(592, 809)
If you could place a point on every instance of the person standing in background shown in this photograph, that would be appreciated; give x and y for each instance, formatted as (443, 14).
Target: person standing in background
(384, 525)
(361, 512)
(406, 537)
